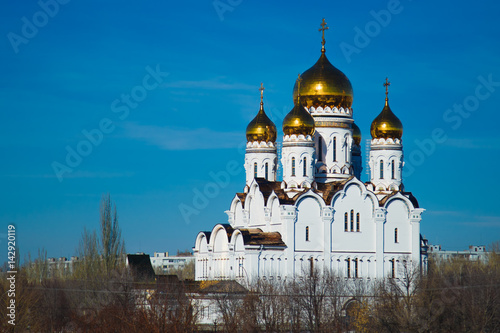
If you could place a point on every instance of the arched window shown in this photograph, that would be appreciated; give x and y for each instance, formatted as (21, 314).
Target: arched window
(357, 222)
(395, 235)
(345, 222)
(267, 170)
(307, 234)
(305, 167)
(320, 148)
(356, 268)
(393, 268)
(255, 170)
(352, 220)
(348, 267)
(381, 169)
(392, 170)
(293, 166)
(346, 151)
(335, 149)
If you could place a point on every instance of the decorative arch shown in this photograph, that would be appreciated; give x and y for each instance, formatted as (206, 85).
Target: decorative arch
(201, 243)
(365, 194)
(237, 241)
(313, 195)
(305, 184)
(219, 240)
(399, 196)
(335, 169)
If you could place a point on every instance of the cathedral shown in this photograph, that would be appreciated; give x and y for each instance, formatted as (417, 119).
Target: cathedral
(320, 215)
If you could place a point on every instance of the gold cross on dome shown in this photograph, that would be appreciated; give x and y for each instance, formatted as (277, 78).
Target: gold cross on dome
(299, 78)
(261, 91)
(386, 85)
(322, 29)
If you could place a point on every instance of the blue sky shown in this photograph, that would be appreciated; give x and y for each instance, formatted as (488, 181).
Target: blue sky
(194, 68)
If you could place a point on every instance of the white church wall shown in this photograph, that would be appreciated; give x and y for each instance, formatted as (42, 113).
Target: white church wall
(308, 226)
(254, 205)
(220, 246)
(201, 257)
(397, 218)
(274, 205)
(353, 202)
(238, 214)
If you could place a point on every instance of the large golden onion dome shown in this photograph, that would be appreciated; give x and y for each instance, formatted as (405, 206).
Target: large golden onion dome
(356, 134)
(324, 85)
(386, 125)
(261, 128)
(298, 120)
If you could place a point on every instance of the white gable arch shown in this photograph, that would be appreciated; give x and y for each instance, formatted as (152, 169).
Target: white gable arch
(219, 240)
(201, 243)
(237, 241)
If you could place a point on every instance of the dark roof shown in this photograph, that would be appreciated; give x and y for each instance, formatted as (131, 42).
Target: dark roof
(267, 188)
(328, 190)
(413, 200)
(229, 231)
(216, 286)
(140, 267)
(325, 190)
(409, 195)
(257, 237)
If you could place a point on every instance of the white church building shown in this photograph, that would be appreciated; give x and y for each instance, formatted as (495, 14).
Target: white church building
(320, 215)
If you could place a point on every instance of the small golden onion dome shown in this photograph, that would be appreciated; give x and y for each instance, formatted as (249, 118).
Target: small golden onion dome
(386, 125)
(298, 121)
(261, 128)
(324, 85)
(356, 134)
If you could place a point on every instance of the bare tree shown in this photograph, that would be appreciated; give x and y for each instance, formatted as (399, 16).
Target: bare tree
(89, 264)
(267, 306)
(397, 304)
(111, 244)
(319, 297)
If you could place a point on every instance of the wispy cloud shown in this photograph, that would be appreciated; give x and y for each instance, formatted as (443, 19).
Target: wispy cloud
(76, 174)
(466, 218)
(473, 143)
(484, 221)
(170, 138)
(444, 213)
(218, 83)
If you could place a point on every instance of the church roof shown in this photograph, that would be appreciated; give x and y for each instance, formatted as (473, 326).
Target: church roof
(216, 287)
(267, 187)
(325, 190)
(257, 237)
(328, 190)
(409, 195)
(253, 236)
